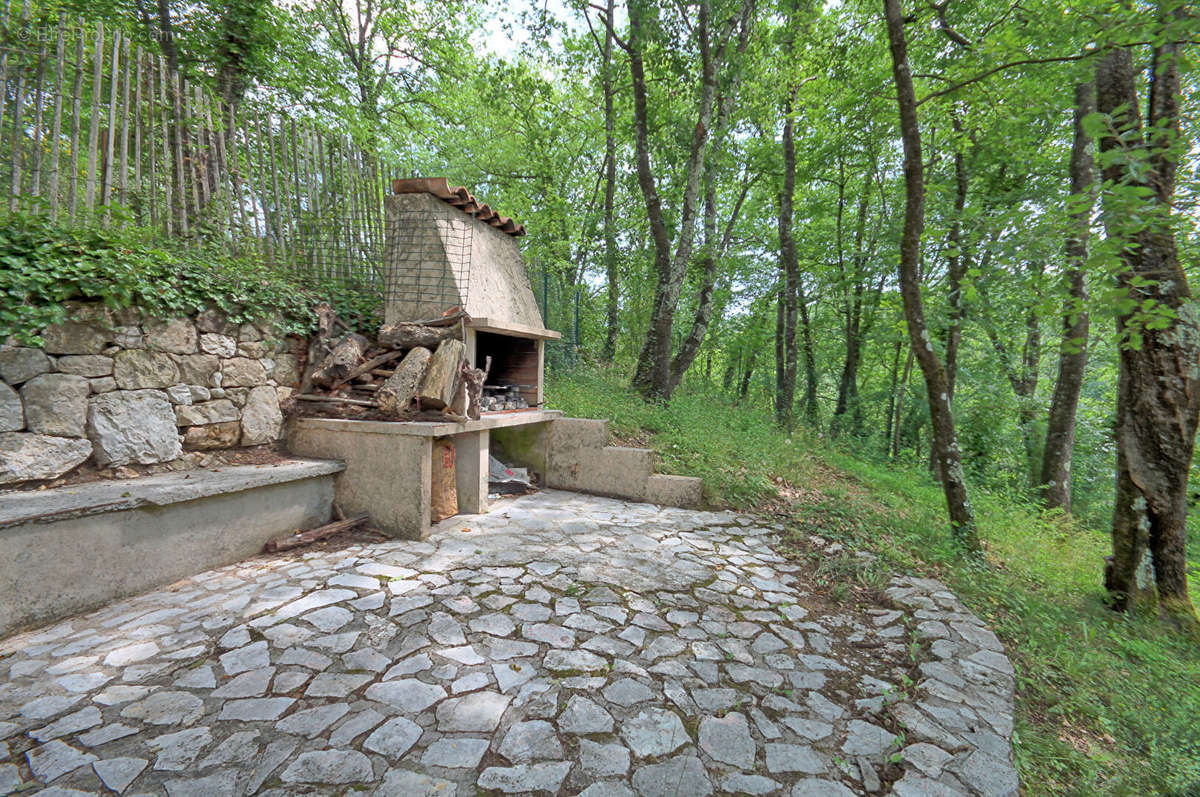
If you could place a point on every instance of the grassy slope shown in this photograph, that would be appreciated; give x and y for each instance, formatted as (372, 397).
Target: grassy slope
(1106, 704)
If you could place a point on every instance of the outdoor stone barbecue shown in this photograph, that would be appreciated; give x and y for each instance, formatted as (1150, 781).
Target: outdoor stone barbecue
(447, 253)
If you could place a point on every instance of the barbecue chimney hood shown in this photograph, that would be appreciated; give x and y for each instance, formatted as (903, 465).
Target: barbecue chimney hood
(445, 250)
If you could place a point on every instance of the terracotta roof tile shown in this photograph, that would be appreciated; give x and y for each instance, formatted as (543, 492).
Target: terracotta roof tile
(459, 197)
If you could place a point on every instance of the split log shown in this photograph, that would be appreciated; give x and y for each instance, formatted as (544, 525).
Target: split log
(313, 535)
(462, 402)
(441, 377)
(367, 367)
(341, 362)
(334, 400)
(319, 345)
(398, 391)
(472, 380)
(404, 335)
(451, 316)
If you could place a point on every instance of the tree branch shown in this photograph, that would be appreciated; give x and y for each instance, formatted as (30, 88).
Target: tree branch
(1023, 62)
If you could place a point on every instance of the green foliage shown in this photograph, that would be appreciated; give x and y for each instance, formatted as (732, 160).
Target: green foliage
(1107, 704)
(45, 265)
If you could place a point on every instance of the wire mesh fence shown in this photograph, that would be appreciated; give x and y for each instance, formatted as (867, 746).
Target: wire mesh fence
(428, 255)
(560, 304)
(98, 129)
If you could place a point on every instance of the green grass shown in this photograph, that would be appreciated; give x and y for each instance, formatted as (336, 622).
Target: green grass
(1106, 704)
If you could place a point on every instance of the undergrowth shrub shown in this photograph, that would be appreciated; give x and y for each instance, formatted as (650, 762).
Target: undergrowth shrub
(44, 264)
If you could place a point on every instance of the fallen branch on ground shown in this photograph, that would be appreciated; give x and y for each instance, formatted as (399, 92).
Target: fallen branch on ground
(313, 535)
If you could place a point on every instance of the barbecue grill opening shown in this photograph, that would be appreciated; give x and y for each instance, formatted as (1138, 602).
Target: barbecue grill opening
(512, 381)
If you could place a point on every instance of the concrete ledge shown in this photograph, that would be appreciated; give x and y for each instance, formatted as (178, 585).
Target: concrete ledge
(70, 549)
(682, 491)
(428, 428)
(570, 437)
(119, 495)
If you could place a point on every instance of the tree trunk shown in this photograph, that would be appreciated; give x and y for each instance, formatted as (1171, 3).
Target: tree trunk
(908, 364)
(653, 374)
(780, 348)
(847, 398)
(691, 344)
(1072, 356)
(785, 395)
(958, 265)
(712, 255)
(810, 355)
(731, 369)
(887, 435)
(1158, 397)
(945, 441)
(744, 390)
(956, 268)
(610, 190)
(1031, 356)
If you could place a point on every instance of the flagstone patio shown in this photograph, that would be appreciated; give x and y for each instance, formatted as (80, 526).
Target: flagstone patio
(561, 644)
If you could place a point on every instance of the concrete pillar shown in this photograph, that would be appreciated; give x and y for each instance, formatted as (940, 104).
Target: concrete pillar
(471, 471)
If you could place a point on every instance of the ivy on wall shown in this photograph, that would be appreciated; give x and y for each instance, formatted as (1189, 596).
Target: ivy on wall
(43, 265)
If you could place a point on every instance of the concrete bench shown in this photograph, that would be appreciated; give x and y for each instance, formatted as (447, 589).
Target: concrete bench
(71, 548)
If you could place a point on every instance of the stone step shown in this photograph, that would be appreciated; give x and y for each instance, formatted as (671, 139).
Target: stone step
(578, 458)
(574, 436)
(681, 491)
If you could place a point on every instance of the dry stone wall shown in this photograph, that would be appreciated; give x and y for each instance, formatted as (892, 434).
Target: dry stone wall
(114, 388)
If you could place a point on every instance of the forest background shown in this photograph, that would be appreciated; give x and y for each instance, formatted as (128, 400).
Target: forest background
(911, 242)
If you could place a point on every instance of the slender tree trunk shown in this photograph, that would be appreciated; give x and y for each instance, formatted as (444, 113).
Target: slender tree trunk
(887, 434)
(780, 345)
(847, 398)
(713, 252)
(1031, 356)
(1072, 356)
(731, 369)
(848, 385)
(945, 441)
(1022, 375)
(956, 268)
(1158, 398)
(810, 355)
(653, 374)
(908, 364)
(785, 397)
(610, 192)
(744, 389)
(958, 264)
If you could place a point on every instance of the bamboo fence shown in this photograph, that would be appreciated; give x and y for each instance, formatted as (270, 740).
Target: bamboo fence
(98, 129)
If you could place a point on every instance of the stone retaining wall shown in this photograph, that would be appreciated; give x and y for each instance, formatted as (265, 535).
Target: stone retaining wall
(117, 388)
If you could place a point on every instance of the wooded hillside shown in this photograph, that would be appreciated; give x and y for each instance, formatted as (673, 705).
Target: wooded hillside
(960, 234)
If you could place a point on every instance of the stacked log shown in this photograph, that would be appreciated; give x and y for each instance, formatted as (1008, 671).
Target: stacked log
(440, 381)
(398, 392)
(350, 373)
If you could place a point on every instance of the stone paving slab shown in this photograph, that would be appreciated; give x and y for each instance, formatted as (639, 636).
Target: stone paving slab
(559, 645)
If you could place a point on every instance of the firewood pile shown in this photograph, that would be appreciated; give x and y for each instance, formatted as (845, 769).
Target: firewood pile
(411, 371)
